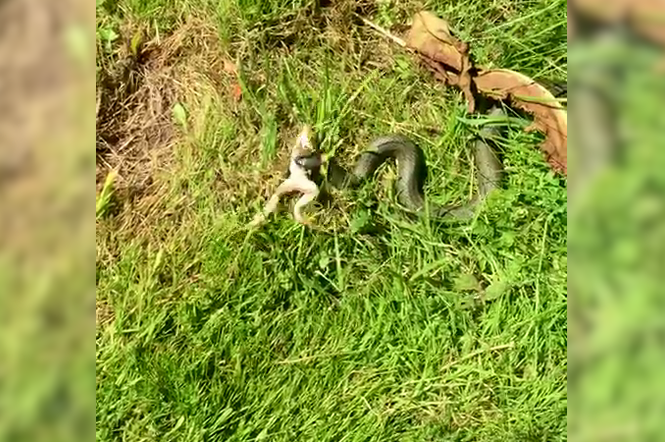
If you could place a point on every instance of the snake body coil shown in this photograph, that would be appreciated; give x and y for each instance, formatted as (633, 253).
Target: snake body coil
(412, 172)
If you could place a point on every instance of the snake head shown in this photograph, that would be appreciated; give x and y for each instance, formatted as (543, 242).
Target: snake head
(311, 161)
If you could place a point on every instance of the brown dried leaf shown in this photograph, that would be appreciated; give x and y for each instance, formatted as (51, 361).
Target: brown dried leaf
(236, 91)
(550, 117)
(430, 36)
(448, 58)
(230, 67)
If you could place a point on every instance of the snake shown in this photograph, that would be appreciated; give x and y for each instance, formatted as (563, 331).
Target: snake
(412, 171)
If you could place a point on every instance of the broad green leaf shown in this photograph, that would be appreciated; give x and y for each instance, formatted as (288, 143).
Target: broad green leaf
(180, 115)
(495, 290)
(466, 282)
(135, 45)
(104, 198)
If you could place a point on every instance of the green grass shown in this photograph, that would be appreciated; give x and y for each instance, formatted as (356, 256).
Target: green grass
(373, 327)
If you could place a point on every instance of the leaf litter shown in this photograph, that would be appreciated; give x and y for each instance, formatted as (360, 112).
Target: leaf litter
(448, 58)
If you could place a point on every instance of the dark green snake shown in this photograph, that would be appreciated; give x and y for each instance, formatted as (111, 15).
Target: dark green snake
(412, 172)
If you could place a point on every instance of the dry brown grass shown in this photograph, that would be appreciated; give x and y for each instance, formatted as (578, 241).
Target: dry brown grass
(138, 136)
(136, 133)
(103, 313)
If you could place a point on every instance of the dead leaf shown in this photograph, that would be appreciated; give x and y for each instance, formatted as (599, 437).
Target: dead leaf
(550, 117)
(430, 36)
(236, 91)
(230, 67)
(448, 58)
